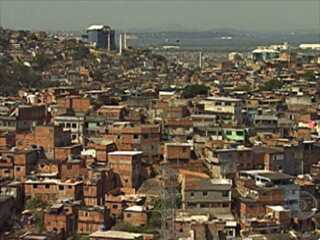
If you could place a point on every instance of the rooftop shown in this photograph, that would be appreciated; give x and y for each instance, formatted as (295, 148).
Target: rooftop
(268, 174)
(125, 153)
(216, 184)
(278, 208)
(116, 235)
(96, 27)
(136, 209)
(224, 99)
(178, 144)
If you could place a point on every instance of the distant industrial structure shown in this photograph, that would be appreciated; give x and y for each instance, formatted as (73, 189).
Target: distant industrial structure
(102, 36)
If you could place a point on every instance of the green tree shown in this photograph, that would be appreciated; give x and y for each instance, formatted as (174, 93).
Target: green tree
(37, 206)
(81, 237)
(81, 53)
(309, 75)
(15, 75)
(43, 61)
(271, 85)
(35, 203)
(39, 220)
(193, 90)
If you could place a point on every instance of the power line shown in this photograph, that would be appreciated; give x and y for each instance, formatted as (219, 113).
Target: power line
(168, 202)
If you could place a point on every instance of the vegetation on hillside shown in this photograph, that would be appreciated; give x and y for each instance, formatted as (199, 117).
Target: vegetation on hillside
(271, 85)
(36, 206)
(193, 90)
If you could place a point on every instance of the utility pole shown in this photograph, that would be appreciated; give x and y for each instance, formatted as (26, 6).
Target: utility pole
(200, 59)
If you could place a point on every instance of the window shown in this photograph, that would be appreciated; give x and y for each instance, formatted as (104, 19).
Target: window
(225, 205)
(239, 133)
(292, 202)
(61, 188)
(204, 193)
(70, 187)
(225, 193)
(192, 205)
(74, 125)
(18, 169)
(47, 186)
(115, 206)
(128, 215)
(73, 136)
(135, 136)
(35, 185)
(228, 132)
(184, 149)
(145, 136)
(68, 125)
(191, 194)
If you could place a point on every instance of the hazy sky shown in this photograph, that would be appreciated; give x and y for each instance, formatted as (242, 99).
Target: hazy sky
(261, 15)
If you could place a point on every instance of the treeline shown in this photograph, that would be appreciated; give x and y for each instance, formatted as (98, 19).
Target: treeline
(15, 75)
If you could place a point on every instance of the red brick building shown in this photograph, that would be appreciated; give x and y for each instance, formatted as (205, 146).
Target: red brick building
(145, 138)
(127, 164)
(135, 215)
(60, 219)
(91, 219)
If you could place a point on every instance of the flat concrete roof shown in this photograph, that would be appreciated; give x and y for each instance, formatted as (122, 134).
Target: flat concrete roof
(125, 153)
(116, 235)
(222, 98)
(136, 209)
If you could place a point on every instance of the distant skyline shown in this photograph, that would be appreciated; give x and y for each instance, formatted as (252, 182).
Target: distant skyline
(162, 15)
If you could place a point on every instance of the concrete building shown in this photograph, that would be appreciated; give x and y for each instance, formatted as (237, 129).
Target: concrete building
(282, 181)
(226, 109)
(75, 123)
(102, 36)
(207, 195)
